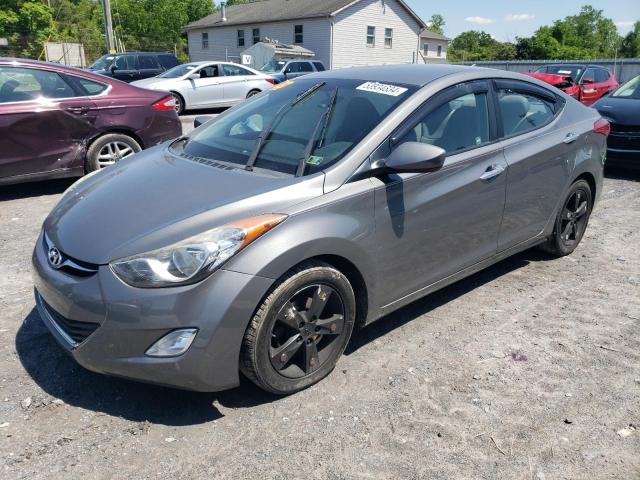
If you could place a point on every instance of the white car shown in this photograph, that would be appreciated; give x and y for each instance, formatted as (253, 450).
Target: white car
(208, 84)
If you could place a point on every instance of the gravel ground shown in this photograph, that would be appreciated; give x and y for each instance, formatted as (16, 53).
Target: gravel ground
(527, 370)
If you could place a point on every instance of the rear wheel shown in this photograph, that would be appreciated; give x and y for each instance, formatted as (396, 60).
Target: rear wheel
(109, 149)
(300, 331)
(571, 221)
(252, 93)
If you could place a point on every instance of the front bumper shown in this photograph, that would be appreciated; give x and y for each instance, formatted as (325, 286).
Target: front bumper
(623, 147)
(127, 320)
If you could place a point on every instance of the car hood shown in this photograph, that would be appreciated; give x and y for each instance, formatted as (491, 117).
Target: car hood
(550, 78)
(622, 111)
(155, 198)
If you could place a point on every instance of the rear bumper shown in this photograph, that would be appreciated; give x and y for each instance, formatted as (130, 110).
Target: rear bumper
(126, 321)
(164, 125)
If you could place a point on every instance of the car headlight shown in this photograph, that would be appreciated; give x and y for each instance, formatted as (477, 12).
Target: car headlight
(191, 260)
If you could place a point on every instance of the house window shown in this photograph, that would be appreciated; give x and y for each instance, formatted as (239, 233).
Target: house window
(256, 35)
(388, 37)
(439, 50)
(297, 34)
(371, 36)
(205, 40)
(241, 38)
(425, 49)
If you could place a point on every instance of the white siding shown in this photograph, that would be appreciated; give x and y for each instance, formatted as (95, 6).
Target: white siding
(316, 37)
(432, 52)
(350, 34)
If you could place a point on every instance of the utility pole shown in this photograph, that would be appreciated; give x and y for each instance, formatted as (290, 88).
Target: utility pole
(108, 26)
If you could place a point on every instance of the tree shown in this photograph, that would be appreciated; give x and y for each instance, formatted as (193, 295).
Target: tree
(436, 24)
(630, 47)
(27, 25)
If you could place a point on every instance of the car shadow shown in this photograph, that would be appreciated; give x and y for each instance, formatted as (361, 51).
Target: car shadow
(420, 307)
(61, 377)
(35, 189)
(616, 173)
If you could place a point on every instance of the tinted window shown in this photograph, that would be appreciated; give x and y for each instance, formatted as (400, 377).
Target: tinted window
(210, 71)
(570, 70)
(234, 70)
(126, 62)
(319, 66)
(305, 67)
(458, 124)
(521, 111)
(148, 62)
(589, 74)
(298, 34)
(602, 75)
(168, 61)
(24, 84)
(303, 130)
(89, 86)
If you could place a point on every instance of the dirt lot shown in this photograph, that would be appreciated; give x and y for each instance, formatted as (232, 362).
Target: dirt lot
(528, 370)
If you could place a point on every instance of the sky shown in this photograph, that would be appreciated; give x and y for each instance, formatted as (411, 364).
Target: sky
(507, 19)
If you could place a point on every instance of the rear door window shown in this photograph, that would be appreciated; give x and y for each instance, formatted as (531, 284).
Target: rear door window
(85, 86)
(26, 84)
(235, 70)
(168, 61)
(522, 108)
(305, 67)
(148, 62)
(602, 75)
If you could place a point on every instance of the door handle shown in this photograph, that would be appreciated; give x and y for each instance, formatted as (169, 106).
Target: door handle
(78, 110)
(570, 138)
(493, 171)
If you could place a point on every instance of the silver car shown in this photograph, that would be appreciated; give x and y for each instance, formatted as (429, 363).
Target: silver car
(259, 241)
(209, 84)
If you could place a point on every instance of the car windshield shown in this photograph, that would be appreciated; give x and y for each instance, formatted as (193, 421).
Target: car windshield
(631, 89)
(299, 127)
(571, 70)
(179, 71)
(273, 66)
(102, 63)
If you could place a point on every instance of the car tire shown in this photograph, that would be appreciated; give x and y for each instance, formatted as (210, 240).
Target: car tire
(300, 330)
(109, 149)
(180, 106)
(252, 93)
(571, 221)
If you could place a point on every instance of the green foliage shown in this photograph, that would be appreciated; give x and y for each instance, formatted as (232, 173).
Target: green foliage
(436, 24)
(138, 24)
(630, 47)
(477, 46)
(587, 35)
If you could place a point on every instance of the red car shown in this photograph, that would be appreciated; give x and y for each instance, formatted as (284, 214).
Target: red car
(57, 121)
(586, 83)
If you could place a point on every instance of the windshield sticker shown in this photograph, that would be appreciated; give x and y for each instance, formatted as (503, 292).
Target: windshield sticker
(382, 88)
(282, 85)
(314, 160)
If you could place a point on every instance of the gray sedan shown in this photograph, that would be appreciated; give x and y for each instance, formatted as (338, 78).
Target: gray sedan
(209, 84)
(258, 242)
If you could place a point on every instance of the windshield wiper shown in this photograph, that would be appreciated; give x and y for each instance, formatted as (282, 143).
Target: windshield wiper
(276, 119)
(321, 127)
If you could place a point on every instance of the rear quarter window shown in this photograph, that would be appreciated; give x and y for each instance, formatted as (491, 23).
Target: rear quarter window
(319, 66)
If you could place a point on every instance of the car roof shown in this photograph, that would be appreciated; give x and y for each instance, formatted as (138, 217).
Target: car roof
(410, 74)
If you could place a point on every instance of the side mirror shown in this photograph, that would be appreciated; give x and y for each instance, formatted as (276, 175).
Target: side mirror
(200, 119)
(194, 76)
(415, 157)
(587, 81)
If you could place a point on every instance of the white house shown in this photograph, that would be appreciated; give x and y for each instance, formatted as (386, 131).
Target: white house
(341, 33)
(433, 47)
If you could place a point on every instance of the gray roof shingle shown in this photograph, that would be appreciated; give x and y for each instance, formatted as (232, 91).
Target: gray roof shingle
(262, 11)
(433, 35)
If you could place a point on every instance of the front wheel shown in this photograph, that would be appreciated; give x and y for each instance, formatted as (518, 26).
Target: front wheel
(300, 330)
(571, 221)
(179, 103)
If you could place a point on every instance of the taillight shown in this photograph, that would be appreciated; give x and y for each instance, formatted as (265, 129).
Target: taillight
(165, 104)
(272, 81)
(602, 126)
